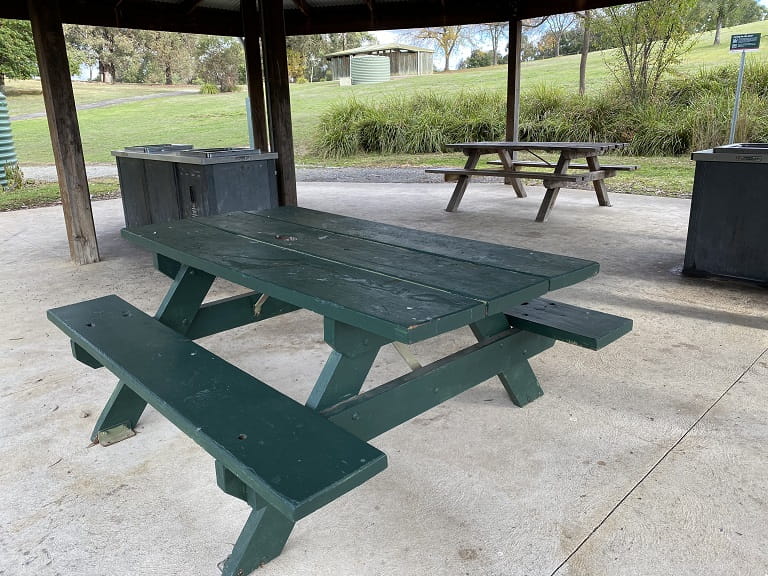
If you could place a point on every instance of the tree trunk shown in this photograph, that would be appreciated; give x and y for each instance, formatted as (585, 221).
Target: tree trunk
(718, 26)
(447, 58)
(168, 75)
(2, 82)
(586, 39)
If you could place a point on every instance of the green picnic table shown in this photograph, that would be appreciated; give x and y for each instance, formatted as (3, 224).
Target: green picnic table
(373, 284)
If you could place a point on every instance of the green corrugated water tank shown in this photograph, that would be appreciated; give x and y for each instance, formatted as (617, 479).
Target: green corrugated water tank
(369, 69)
(7, 151)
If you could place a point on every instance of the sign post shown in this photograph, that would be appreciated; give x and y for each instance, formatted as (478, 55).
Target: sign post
(742, 43)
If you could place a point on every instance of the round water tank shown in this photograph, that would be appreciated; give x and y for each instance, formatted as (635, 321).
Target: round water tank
(7, 150)
(369, 69)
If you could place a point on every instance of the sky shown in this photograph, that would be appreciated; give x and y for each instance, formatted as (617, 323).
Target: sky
(389, 36)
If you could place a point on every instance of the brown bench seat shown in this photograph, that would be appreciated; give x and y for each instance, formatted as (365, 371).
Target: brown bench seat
(540, 164)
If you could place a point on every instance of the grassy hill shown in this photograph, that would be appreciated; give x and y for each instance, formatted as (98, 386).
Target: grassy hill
(220, 120)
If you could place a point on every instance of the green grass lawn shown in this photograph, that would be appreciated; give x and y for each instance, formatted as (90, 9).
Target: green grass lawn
(26, 96)
(220, 120)
(35, 194)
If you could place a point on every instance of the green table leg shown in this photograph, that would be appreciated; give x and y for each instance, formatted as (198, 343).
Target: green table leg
(265, 533)
(519, 381)
(124, 408)
(119, 417)
(354, 351)
(262, 539)
(184, 298)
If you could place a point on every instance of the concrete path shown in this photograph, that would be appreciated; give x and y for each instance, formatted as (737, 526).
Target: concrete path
(303, 174)
(647, 458)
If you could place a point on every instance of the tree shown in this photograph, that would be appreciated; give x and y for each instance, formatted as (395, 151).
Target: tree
(296, 68)
(716, 14)
(446, 38)
(169, 57)
(17, 50)
(119, 52)
(545, 47)
(313, 49)
(530, 46)
(478, 59)
(220, 61)
(528, 49)
(651, 36)
(558, 25)
(494, 32)
(586, 39)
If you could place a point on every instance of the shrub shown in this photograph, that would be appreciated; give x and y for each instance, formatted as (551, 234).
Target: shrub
(689, 114)
(337, 136)
(209, 89)
(542, 101)
(415, 124)
(14, 177)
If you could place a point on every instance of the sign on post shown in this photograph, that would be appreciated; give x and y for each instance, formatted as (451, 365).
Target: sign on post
(748, 42)
(741, 43)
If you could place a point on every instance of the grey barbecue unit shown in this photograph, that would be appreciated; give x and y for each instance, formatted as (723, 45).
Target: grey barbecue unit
(728, 227)
(165, 182)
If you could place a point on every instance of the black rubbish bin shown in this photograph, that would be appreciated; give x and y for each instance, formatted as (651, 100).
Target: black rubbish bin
(165, 182)
(728, 226)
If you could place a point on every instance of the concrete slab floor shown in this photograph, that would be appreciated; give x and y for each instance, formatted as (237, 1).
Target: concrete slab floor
(648, 457)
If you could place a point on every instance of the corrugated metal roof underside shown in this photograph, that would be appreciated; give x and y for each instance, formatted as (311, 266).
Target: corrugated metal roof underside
(234, 5)
(379, 48)
(223, 17)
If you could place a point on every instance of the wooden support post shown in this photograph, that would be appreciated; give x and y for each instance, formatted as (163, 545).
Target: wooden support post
(45, 16)
(513, 91)
(249, 13)
(513, 80)
(278, 98)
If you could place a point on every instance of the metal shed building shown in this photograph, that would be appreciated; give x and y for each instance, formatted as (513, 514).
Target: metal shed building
(404, 60)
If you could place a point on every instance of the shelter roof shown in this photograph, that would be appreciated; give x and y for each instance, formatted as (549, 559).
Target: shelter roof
(393, 47)
(223, 17)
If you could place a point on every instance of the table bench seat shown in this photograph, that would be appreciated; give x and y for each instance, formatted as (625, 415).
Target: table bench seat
(565, 322)
(540, 164)
(280, 456)
(550, 180)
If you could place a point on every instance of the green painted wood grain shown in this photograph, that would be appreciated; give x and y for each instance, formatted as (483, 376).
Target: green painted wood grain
(497, 287)
(292, 457)
(581, 326)
(559, 270)
(387, 306)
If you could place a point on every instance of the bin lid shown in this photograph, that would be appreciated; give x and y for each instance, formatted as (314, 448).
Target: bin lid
(158, 148)
(219, 152)
(743, 148)
(744, 152)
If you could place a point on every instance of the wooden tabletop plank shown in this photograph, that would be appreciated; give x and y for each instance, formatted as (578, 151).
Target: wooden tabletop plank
(581, 147)
(495, 286)
(560, 270)
(391, 307)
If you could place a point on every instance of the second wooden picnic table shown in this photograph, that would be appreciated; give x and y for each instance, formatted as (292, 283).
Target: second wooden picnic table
(553, 180)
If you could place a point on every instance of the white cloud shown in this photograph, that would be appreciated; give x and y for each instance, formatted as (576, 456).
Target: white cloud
(385, 36)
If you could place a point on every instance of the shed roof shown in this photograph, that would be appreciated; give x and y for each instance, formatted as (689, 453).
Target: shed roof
(223, 17)
(392, 47)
